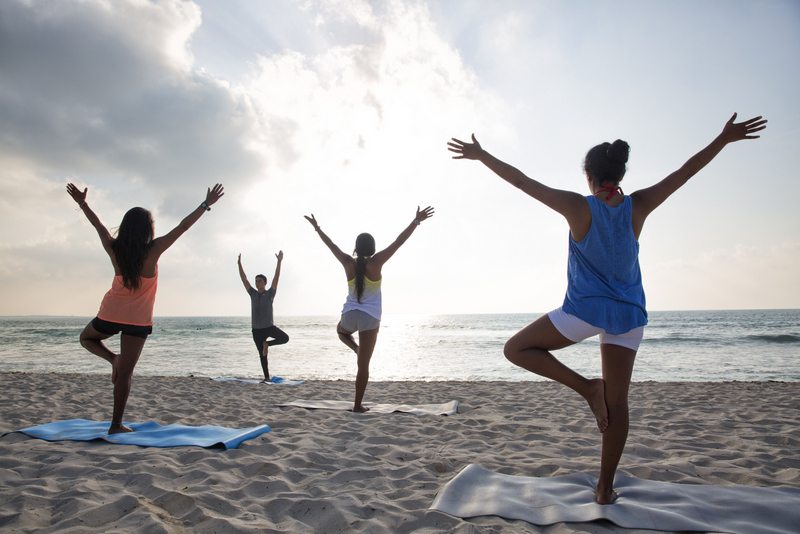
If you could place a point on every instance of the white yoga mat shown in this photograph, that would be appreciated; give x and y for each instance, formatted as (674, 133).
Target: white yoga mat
(447, 408)
(642, 504)
(275, 381)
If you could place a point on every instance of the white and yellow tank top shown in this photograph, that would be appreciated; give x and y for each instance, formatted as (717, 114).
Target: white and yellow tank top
(370, 298)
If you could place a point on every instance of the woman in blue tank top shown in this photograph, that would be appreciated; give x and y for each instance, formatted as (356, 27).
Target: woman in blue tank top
(604, 285)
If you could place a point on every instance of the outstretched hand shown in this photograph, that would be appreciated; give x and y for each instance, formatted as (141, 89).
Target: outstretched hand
(742, 130)
(279, 255)
(76, 194)
(464, 150)
(239, 260)
(312, 220)
(423, 214)
(214, 193)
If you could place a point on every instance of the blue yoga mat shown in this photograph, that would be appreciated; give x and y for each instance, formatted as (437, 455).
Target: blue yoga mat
(275, 380)
(149, 434)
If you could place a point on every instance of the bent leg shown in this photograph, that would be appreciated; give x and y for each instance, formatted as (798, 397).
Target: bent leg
(617, 370)
(346, 338)
(130, 350)
(366, 345)
(530, 349)
(92, 340)
(279, 336)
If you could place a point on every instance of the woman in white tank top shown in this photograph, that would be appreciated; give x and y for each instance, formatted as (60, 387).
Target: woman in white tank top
(363, 307)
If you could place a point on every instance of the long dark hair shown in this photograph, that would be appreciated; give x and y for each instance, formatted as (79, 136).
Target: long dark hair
(133, 241)
(365, 247)
(606, 162)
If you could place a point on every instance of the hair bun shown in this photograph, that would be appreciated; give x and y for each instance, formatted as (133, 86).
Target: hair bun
(618, 151)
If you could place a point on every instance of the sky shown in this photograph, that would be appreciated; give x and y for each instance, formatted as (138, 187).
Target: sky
(343, 108)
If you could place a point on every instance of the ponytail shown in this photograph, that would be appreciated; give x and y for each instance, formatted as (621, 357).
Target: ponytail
(365, 247)
(361, 270)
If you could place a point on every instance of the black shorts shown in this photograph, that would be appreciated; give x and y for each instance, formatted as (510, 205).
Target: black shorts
(107, 327)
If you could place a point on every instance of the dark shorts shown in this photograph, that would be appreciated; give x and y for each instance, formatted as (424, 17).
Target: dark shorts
(107, 327)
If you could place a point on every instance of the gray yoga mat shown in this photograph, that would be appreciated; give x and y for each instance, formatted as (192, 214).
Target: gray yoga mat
(643, 504)
(447, 408)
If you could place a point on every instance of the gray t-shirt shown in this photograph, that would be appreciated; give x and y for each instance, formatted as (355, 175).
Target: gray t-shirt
(261, 307)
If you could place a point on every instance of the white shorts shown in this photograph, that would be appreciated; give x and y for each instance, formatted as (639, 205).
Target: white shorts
(357, 320)
(576, 330)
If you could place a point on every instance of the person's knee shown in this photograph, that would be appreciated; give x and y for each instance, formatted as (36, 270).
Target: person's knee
(363, 361)
(124, 378)
(617, 407)
(511, 351)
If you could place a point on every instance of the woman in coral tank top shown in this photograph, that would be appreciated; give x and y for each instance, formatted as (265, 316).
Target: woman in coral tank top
(127, 307)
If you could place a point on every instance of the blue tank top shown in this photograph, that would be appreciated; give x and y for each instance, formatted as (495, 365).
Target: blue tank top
(604, 282)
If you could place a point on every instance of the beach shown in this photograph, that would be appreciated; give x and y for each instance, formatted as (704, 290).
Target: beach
(330, 471)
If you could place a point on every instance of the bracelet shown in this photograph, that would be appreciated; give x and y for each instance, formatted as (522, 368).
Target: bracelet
(205, 206)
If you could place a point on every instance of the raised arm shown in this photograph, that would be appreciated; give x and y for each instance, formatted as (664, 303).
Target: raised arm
(646, 200)
(383, 256)
(161, 244)
(343, 258)
(277, 275)
(568, 203)
(80, 197)
(243, 276)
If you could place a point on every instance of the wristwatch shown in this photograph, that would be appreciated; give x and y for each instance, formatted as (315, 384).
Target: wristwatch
(205, 206)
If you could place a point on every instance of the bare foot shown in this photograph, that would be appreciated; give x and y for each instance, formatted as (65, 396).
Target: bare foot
(360, 409)
(605, 497)
(597, 402)
(118, 429)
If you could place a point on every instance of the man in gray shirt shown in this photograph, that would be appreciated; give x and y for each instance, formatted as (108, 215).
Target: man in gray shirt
(261, 313)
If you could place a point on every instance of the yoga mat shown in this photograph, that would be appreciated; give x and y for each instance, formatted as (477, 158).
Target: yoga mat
(149, 434)
(447, 408)
(275, 380)
(642, 504)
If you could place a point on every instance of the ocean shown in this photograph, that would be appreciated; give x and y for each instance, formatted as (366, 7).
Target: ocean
(748, 345)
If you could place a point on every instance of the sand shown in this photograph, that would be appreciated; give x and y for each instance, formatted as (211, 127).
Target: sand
(327, 471)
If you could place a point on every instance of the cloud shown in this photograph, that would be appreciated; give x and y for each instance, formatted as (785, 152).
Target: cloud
(340, 108)
(373, 110)
(108, 91)
(111, 95)
(105, 94)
